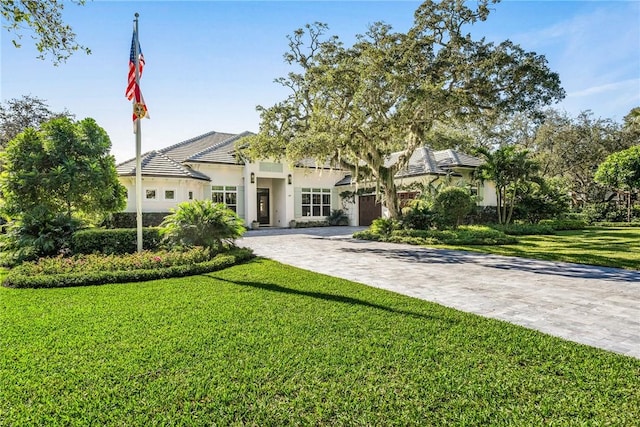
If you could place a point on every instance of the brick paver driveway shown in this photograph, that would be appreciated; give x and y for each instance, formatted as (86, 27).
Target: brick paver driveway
(591, 305)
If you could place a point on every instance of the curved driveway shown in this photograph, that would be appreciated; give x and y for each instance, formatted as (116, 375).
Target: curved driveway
(596, 306)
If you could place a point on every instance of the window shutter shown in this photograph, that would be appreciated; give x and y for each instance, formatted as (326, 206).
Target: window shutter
(297, 202)
(240, 202)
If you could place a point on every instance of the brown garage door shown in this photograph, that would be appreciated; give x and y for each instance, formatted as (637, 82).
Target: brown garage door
(369, 210)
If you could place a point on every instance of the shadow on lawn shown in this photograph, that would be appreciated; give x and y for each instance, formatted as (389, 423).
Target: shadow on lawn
(551, 268)
(327, 297)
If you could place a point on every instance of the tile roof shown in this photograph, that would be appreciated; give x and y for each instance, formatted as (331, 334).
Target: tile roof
(425, 161)
(223, 151)
(211, 147)
(155, 163)
(185, 149)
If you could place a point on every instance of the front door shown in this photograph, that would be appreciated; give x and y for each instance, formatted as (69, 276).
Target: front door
(263, 206)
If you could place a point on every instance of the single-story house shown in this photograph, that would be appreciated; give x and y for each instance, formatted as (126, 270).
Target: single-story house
(272, 193)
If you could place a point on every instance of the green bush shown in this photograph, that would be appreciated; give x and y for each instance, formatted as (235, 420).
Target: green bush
(113, 241)
(463, 235)
(524, 229)
(219, 262)
(384, 226)
(565, 224)
(310, 224)
(418, 215)
(610, 212)
(36, 234)
(338, 217)
(202, 223)
(129, 219)
(366, 235)
(451, 205)
(617, 224)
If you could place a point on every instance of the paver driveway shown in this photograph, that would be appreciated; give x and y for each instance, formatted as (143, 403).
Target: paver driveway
(591, 305)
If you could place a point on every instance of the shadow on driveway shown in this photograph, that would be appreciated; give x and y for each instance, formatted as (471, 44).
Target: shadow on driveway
(444, 256)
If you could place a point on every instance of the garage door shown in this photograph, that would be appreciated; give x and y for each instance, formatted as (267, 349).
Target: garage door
(369, 210)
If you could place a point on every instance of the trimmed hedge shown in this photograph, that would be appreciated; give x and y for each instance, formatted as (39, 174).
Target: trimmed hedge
(466, 235)
(565, 224)
(617, 224)
(113, 241)
(129, 220)
(219, 262)
(524, 229)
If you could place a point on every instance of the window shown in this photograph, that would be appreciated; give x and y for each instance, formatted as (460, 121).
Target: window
(190, 195)
(316, 201)
(225, 194)
(150, 194)
(169, 194)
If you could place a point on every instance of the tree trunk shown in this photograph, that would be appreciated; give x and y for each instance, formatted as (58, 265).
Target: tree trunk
(499, 204)
(390, 194)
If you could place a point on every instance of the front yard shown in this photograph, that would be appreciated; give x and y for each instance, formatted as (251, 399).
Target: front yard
(609, 247)
(266, 344)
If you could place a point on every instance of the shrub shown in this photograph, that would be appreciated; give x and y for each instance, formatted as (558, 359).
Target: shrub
(90, 263)
(38, 233)
(418, 215)
(464, 235)
(202, 223)
(338, 217)
(113, 241)
(451, 205)
(309, 224)
(129, 220)
(565, 224)
(16, 280)
(524, 229)
(610, 212)
(384, 226)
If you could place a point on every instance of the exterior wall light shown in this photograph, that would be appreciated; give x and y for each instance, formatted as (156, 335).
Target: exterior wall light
(289, 179)
(253, 178)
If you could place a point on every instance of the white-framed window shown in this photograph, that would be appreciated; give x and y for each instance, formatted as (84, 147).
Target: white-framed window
(226, 194)
(150, 194)
(169, 194)
(316, 201)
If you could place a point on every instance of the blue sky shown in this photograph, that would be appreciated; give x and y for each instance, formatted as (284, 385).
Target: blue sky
(209, 63)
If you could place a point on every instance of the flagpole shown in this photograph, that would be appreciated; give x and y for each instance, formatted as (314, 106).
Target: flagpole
(138, 146)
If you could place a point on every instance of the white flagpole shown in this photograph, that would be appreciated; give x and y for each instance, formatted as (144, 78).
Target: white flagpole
(138, 144)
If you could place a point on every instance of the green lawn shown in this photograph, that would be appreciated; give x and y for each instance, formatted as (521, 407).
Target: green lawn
(612, 247)
(265, 344)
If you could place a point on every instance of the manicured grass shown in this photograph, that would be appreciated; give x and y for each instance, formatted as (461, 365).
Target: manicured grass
(612, 247)
(265, 344)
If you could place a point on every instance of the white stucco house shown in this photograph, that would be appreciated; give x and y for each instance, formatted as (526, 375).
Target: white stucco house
(271, 192)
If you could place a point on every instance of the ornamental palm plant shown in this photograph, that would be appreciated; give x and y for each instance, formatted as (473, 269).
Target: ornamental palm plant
(202, 223)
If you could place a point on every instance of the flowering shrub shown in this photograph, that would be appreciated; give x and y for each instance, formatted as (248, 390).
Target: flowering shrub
(24, 278)
(97, 262)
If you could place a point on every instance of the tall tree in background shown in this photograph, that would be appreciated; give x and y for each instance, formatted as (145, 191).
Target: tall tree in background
(572, 148)
(621, 171)
(44, 18)
(388, 92)
(18, 114)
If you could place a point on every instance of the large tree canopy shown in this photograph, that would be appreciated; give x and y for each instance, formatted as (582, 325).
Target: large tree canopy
(44, 19)
(18, 114)
(572, 148)
(63, 168)
(386, 93)
(621, 171)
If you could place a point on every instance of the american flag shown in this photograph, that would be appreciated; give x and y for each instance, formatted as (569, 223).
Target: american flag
(131, 86)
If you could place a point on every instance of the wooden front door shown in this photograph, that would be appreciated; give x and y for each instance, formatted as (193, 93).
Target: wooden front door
(369, 210)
